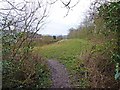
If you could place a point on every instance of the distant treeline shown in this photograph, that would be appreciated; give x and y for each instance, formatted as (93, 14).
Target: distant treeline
(92, 30)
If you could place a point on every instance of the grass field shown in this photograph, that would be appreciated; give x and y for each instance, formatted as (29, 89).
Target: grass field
(67, 52)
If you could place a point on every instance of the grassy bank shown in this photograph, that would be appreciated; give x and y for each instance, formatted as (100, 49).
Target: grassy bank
(68, 52)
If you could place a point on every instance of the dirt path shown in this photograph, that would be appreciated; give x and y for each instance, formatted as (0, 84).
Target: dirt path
(59, 75)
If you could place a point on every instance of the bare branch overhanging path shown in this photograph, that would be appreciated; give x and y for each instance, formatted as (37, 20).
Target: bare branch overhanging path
(60, 77)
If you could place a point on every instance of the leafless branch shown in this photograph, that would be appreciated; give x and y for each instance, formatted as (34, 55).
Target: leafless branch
(25, 19)
(67, 5)
(52, 2)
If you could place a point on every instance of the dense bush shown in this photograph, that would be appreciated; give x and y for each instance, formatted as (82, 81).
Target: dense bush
(25, 69)
(19, 24)
(110, 14)
(103, 60)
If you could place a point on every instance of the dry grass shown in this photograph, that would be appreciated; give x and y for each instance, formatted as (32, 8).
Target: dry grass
(31, 72)
(100, 70)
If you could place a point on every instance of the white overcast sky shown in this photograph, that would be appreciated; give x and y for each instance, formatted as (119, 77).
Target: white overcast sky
(59, 25)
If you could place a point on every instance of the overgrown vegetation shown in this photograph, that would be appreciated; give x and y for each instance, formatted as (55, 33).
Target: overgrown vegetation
(91, 53)
(111, 16)
(26, 69)
(19, 24)
(102, 60)
(30, 73)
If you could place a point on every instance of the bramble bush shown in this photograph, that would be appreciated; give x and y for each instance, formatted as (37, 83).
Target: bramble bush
(19, 23)
(110, 14)
(22, 71)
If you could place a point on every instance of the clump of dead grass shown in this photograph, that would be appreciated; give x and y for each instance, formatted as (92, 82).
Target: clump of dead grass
(30, 72)
(100, 69)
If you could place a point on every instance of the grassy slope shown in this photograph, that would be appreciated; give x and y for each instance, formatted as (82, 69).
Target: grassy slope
(67, 52)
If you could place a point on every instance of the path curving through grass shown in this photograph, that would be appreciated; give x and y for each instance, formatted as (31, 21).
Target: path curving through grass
(68, 53)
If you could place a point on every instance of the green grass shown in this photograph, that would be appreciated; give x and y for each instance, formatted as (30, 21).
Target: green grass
(67, 52)
(64, 50)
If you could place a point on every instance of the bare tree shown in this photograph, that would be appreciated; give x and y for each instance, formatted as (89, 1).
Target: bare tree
(66, 5)
(93, 11)
(22, 18)
(19, 23)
